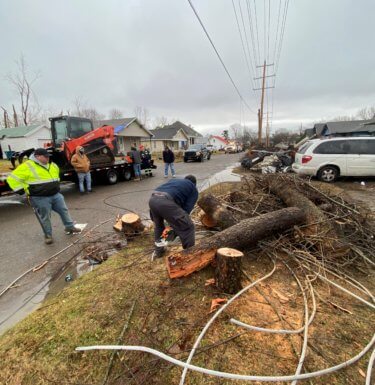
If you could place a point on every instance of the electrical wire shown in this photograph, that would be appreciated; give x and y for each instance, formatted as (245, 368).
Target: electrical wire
(369, 368)
(219, 57)
(233, 376)
(204, 330)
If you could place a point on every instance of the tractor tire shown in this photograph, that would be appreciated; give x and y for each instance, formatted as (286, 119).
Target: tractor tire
(328, 174)
(112, 177)
(201, 159)
(185, 160)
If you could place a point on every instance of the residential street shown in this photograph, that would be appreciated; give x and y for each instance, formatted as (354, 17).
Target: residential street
(23, 244)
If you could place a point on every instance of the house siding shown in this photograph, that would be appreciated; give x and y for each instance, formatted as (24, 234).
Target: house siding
(35, 140)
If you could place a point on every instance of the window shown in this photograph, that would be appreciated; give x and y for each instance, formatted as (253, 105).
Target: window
(333, 147)
(60, 131)
(304, 147)
(362, 147)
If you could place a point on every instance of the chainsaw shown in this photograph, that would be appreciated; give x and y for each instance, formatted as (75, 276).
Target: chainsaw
(168, 235)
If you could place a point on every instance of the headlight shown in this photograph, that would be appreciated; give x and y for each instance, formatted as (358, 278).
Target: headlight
(198, 153)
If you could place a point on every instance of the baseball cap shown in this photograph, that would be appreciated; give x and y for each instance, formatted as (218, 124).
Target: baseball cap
(41, 151)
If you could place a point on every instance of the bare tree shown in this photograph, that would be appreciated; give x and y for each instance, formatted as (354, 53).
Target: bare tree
(142, 115)
(15, 116)
(236, 130)
(81, 109)
(114, 113)
(161, 121)
(6, 122)
(23, 81)
(367, 113)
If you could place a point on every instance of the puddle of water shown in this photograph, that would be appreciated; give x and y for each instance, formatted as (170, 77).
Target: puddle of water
(226, 175)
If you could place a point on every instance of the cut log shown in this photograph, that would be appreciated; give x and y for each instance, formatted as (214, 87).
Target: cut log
(228, 270)
(318, 224)
(132, 224)
(216, 213)
(118, 225)
(240, 236)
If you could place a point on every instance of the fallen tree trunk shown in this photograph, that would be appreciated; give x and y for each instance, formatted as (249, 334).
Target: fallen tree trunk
(216, 214)
(240, 236)
(318, 224)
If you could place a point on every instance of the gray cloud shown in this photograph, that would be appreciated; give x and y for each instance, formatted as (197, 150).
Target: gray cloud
(154, 54)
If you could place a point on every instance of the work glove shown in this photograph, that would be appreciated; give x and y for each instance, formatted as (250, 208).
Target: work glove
(20, 192)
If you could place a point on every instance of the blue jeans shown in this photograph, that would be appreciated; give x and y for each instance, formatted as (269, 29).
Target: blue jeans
(137, 169)
(171, 165)
(44, 205)
(84, 176)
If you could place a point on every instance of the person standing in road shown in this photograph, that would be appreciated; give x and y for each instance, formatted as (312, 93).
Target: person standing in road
(137, 160)
(81, 164)
(173, 202)
(40, 180)
(168, 158)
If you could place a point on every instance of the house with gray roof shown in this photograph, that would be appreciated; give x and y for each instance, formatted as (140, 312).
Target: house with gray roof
(23, 137)
(189, 131)
(174, 137)
(128, 131)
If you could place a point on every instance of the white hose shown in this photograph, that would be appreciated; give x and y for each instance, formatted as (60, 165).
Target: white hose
(358, 285)
(232, 376)
(369, 368)
(208, 324)
(345, 290)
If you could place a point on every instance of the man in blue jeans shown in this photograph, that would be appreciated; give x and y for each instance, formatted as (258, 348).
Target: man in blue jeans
(40, 180)
(137, 160)
(168, 159)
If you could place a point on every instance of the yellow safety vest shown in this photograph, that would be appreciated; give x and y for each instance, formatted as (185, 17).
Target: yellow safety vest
(35, 179)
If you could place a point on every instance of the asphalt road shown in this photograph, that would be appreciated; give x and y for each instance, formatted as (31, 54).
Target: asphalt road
(22, 242)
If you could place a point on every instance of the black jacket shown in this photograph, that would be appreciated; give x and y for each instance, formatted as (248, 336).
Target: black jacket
(168, 156)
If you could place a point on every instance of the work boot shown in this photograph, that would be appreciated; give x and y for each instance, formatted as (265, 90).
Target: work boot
(48, 239)
(158, 253)
(73, 230)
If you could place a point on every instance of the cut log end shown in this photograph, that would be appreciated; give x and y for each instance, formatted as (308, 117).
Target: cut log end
(132, 224)
(207, 221)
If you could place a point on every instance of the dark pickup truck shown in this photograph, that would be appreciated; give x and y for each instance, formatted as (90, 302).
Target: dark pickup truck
(197, 152)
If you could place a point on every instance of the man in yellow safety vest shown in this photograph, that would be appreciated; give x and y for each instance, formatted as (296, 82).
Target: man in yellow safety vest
(40, 180)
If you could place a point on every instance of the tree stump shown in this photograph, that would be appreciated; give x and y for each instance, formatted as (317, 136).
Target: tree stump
(228, 270)
(132, 224)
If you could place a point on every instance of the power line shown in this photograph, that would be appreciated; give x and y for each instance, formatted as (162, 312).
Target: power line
(269, 27)
(243, 45)
(251, 31)
(256, 28)
(219, 57)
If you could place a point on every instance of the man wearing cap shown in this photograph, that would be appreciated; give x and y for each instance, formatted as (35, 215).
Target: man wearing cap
(40, 180)
(173, 201)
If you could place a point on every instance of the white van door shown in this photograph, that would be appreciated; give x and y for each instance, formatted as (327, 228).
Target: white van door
(361, 157)
(331, 152)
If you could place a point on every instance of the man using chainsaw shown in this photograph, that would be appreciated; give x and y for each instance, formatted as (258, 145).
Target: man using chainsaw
(40, 180)
(173, 202)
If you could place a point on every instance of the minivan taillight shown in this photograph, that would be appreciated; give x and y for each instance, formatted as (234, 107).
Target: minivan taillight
(306, 159)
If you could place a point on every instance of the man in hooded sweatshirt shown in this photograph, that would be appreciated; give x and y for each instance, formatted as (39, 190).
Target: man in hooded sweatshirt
(40, 180)
(81, 164)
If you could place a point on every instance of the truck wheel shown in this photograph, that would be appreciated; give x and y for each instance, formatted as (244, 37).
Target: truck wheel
(208, 156)
(185, 160)
(328, 174)
(201, 158)
(112, 177)
(127, 175)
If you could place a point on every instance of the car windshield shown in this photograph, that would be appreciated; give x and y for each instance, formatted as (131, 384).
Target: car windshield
(195, 147)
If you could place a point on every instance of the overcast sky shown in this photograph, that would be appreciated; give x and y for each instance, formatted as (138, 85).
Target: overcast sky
(153, 53)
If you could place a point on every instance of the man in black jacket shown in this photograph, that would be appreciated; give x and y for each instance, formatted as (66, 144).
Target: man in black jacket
(173, 201)
(168, 158)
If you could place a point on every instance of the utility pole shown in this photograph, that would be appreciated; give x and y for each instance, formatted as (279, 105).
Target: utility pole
(268, 132)
(263, 88)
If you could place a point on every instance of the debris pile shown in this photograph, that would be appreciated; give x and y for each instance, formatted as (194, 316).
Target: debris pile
(268, 162)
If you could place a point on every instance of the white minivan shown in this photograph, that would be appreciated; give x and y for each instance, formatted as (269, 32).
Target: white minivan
(327, 159)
